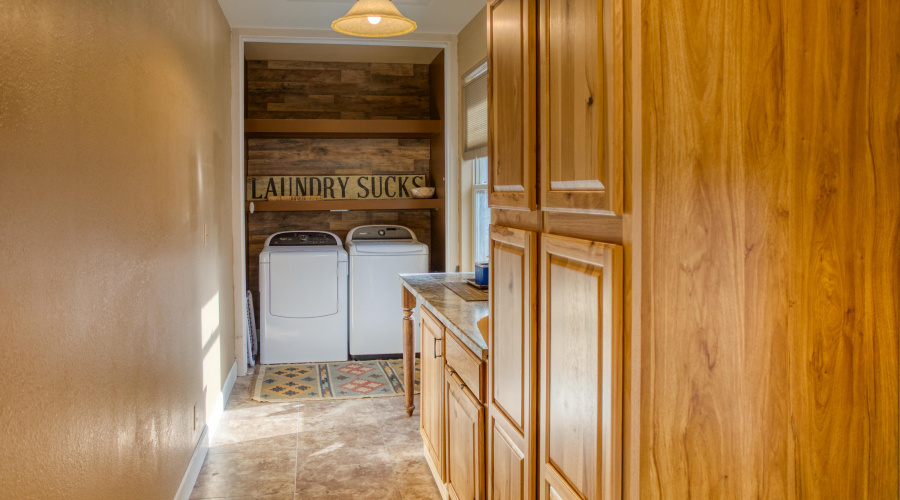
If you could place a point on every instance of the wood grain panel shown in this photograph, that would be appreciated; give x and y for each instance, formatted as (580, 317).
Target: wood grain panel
(602, 228)
(582, 110)
(512, 134)
(512, 364)
(512, 332)
(705, 262)
(843, 142)
(581, 342)
(518, 219)
(770, 249)
(432, 423)
(507, 468)
(333, 90)
(465, 441)
(467, 365)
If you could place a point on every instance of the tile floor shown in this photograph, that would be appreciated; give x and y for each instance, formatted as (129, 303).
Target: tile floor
(348, 449)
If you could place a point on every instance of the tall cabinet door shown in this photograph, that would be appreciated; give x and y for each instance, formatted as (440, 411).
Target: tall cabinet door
(581, 365)
(582, 108)
(432, 402)
(512, 337)
(512, 109)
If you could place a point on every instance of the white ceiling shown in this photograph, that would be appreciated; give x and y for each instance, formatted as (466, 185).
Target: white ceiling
(432, 16)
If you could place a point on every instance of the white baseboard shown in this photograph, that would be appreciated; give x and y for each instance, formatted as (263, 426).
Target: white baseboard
(193, 470)
(209, 430)
(219, 408)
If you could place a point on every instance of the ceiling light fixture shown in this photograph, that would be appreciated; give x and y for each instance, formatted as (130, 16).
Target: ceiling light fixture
(374, 18)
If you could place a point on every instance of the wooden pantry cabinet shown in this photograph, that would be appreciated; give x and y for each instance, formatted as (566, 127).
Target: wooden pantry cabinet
(715, 313)
(555, 365)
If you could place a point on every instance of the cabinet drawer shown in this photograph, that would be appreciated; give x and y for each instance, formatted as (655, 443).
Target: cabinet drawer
(466, 364)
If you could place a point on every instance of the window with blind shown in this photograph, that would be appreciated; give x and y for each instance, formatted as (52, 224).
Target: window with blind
(475, 153)
(476, 115)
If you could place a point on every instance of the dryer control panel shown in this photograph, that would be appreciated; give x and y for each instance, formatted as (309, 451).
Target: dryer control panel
(303, 238)
(369, 233)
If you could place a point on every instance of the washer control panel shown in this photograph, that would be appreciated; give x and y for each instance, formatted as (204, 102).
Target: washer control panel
(303, 238)
(369, 233)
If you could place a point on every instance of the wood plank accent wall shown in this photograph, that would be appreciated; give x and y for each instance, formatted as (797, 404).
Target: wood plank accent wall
(771, 249)
(350, 91)
(326, 156)
(261, 225)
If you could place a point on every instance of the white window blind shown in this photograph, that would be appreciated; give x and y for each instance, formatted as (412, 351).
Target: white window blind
(475, 94)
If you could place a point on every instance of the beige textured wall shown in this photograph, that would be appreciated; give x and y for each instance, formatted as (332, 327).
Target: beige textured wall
(471, 44)
(471, 49)
(116, 318)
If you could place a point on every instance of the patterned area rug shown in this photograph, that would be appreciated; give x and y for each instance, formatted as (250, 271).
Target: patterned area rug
(338, 380)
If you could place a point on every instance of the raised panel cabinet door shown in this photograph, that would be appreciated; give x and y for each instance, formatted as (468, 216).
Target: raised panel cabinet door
(512, 109)
(582, 107)
(432, 391)
(581, 365)
(512, 370)
(465, 441)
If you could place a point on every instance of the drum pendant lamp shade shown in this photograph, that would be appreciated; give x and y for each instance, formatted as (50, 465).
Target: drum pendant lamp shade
(374, 18)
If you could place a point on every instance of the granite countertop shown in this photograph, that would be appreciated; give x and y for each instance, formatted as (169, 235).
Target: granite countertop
(459, 316)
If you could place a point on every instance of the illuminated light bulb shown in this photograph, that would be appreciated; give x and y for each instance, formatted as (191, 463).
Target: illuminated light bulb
(374, 20)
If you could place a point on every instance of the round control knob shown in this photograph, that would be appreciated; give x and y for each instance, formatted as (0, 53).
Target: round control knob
(303, 237)
(381, 232)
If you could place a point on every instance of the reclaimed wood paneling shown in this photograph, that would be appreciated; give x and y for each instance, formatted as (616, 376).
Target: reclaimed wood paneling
(261, 225)
(326, 156)
(332, 90)
(771, 249)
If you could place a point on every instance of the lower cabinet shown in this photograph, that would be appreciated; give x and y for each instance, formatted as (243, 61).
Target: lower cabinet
(465, 441)
(452, 412)
(431, 401)
(547, 422)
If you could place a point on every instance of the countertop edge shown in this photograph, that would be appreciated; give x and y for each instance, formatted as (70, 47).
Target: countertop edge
(479, 349)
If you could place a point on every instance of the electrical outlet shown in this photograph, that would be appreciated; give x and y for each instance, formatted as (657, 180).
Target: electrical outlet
(196, 416)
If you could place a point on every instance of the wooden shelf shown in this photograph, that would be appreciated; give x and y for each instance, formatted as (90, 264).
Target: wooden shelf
(338, 128)
(305, 206)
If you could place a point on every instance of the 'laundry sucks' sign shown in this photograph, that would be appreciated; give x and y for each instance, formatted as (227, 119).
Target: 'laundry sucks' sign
(335, 187)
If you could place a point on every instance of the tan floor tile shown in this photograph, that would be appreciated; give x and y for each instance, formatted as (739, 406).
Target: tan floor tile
(346, 472)
(254, 475)
(254, 435)
(420, 491)
(408, 462)
(330, 408)
(397, 428)
(321, 435)
(395, 404)
(262, 411)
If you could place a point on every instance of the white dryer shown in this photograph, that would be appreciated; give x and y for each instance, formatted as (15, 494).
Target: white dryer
(303, 298)
(378, 254)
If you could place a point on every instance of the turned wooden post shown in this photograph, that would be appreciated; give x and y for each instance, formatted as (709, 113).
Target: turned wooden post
(409, 355)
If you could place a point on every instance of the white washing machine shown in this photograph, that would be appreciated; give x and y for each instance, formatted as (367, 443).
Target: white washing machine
(377, 255)
(303, 298)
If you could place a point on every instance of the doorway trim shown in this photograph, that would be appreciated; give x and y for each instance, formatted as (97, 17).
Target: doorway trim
(240, 36)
